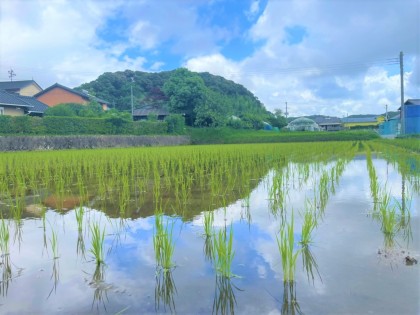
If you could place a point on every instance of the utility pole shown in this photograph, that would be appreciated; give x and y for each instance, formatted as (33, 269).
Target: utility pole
(132, 104)
(286, 113)
(11, 74)
(386, 112)
(402, 112)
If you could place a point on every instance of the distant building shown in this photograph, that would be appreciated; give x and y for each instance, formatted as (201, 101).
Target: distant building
(60, 94)
(369, 122)
(412, 116)
(145, 111)
(328, 123)
(25, 88)
(302, 124)
(390, 127)
(13, 104)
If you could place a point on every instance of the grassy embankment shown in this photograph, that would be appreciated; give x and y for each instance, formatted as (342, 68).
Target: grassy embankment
(229, 136)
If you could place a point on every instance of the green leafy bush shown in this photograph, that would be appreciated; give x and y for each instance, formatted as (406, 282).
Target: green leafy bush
(176, 124)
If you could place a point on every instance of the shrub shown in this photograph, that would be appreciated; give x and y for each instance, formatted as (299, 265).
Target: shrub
(176, 124)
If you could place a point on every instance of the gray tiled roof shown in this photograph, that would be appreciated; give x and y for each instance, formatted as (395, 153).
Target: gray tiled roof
(30, 102)
(38, 106)
(327, 120)
(15, 85)
(150, 109)
(12, 99)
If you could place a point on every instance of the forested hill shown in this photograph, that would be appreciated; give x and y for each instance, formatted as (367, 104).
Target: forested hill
(205, 99)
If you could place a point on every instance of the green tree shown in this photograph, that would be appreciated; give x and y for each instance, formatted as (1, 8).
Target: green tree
(185, 91)
(277, 119)
(213, 112)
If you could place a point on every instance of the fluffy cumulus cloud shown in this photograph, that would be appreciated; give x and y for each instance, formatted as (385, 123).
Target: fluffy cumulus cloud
(325, 57)
(329, 57)
(58, 43)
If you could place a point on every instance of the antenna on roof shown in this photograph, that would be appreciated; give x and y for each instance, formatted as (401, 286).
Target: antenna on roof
(11, 74)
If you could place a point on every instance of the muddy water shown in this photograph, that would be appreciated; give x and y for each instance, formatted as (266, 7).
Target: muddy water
(354, 269)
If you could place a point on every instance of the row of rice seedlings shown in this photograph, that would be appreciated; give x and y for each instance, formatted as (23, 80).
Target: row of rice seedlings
(105, 166)
(163, 242)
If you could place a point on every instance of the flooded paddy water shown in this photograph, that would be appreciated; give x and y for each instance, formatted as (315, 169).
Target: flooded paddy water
(308, 228)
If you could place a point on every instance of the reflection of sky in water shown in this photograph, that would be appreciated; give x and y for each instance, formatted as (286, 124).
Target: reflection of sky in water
(355, 278)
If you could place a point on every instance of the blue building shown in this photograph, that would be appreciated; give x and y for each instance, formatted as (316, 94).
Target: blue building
(412, 116)
(390, 127)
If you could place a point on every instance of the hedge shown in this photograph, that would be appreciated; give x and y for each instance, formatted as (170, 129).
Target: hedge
(55, 125)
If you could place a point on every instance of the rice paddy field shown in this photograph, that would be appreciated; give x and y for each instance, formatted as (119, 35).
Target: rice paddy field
(292, 228)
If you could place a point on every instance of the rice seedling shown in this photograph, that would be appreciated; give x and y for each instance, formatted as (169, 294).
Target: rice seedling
(6, 275)
(55, 275)
(223, 252)
(387, 215)
(285, 245)
(309, 264)
(100, 295)
(208, 223)
(309, 224)
(165, 290)
(97, 242)
(163, 242)
(4, 237)
(54, 244)
(290, 304)
(79, 212)
(224, 296)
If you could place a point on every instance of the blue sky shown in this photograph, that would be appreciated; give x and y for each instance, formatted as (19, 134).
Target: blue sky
(320, 56)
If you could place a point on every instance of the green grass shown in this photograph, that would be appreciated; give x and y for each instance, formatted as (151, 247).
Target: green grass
(97, 242)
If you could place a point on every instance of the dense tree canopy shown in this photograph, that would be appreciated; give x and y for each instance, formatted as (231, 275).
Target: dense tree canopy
(204, 99)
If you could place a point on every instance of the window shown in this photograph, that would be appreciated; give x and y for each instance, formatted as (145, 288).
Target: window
(1, 110)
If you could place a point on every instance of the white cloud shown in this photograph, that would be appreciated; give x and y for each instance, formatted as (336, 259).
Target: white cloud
(59, 43)
(332, 70)
(340, 66)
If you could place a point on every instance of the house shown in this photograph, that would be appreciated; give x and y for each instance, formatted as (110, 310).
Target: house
(12, 104)
(38, 108)
(362, 122)
(25, 88)
(411, 116)
(327, 123)
(143, 112)
(60, 94)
